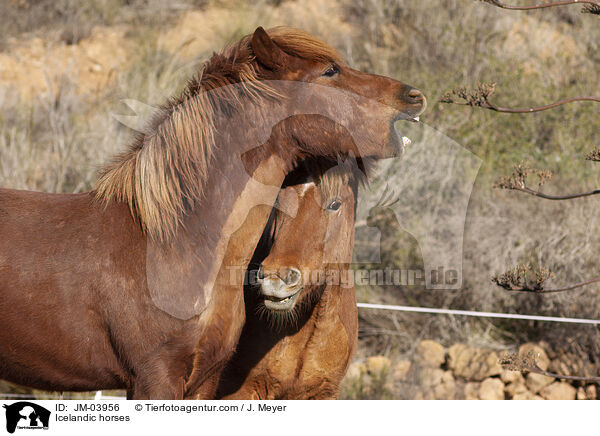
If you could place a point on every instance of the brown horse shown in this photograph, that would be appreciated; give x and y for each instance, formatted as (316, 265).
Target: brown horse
(127, 286)
(301, 320)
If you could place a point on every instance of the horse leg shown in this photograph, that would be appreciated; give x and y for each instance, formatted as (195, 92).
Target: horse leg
(217, 342)
(162, 374)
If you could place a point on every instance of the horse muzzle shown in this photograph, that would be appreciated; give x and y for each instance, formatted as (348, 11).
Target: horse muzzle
(280, 294)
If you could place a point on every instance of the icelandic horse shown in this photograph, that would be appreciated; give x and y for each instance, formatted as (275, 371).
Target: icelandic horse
(301, 317)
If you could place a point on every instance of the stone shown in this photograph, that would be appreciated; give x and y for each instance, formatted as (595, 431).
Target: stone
(446, 390)
(581, 395)
(515, 388)
(491, 389)
(472, 391)
(567, 363)
(430, 353)
(527, 396)
(536, 382)
(473, 364)
(538, 353)
(591, 392)
(377, 365)
(447, 377)
(559, 391)
(508, 376)
(400, 371)
(430, 377)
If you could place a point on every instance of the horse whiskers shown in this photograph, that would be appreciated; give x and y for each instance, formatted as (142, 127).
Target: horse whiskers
(279, 321)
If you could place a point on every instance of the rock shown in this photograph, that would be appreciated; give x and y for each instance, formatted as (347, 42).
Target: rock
(430, 353)
(527, 396)
(587, 393)
(419, 395)
(537, 382)
(572, 364)
(378, 365)
(473, 364)
(491, 389)
(515, 388)
(430, 377)
(446, 390)
(400, 371)
(508, 376)
(447, 377)
(559, 391)
(472, 391)
(591, 392)
(537, 352)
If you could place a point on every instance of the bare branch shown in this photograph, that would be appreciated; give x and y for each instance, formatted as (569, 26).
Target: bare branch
(517, 181)
(591, 7)
(480, 97)
(526, 278)
(527, 363)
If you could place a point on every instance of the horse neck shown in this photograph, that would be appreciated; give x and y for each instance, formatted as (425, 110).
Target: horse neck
(221, 229)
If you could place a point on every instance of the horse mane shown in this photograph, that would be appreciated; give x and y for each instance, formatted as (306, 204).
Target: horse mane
(163, 174)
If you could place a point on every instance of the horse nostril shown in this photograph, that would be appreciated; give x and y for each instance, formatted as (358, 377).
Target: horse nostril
(416, 95)
(293, 277)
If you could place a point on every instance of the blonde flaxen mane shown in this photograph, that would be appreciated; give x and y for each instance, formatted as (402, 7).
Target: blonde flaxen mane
(164, 172)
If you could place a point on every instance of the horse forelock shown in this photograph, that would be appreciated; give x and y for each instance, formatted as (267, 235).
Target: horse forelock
(165, 170)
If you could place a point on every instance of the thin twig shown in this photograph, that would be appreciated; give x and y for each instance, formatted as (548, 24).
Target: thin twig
(555, 197)
(528, 278)
(552, 290)
(480, 95)
(531, 110)
(539, 370)
(593, 5)
(517, 181)
(527, 363)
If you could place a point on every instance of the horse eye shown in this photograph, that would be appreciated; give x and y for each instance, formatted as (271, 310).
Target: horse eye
(331, 71)
(334, 205)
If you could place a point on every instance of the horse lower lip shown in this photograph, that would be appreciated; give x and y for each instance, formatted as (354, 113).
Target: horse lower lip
(279, 300)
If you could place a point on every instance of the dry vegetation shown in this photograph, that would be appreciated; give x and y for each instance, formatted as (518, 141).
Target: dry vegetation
(64, 69)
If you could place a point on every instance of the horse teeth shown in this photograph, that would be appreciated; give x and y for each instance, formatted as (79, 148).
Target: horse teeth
(417, 119)
(406, 141)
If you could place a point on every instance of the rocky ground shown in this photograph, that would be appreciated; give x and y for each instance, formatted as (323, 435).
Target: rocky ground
(462, 372)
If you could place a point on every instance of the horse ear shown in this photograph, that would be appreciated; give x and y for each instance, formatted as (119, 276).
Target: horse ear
(266, 51)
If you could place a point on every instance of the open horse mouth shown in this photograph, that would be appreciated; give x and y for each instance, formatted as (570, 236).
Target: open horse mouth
(278, 295)
(279, 302)
(401, 141)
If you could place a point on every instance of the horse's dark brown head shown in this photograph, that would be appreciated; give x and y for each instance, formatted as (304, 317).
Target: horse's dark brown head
(308, 248)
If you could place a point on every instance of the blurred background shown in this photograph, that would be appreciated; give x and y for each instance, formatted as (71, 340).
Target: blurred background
(66, 66)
